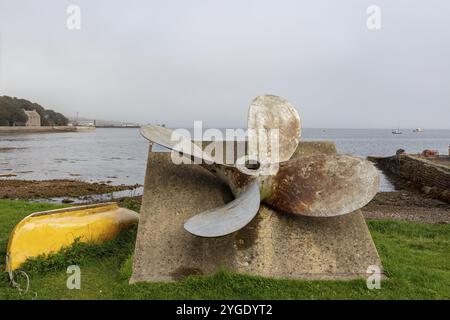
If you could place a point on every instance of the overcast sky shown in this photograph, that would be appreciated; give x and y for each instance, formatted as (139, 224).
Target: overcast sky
(174, 62)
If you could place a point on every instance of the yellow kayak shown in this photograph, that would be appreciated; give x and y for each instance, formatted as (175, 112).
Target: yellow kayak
(49, 231)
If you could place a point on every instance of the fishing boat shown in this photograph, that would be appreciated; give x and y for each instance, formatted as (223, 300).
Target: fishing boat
(42, 233)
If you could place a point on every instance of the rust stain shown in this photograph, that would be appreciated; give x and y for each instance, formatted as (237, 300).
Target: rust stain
(298, 184)
(323, 185)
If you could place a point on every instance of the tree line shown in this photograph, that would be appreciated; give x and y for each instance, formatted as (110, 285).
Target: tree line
(12, 113)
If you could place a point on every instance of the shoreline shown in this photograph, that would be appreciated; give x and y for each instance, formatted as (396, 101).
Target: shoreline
(54, 129)
(407, 205)
(64, 189)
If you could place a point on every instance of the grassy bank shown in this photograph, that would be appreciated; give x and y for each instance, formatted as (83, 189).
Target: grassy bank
(416, 257)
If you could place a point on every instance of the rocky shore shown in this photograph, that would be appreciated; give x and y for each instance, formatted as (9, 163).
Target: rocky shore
(26, 189)
(407, 205)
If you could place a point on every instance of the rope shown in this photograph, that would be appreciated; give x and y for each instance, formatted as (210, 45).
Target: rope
(13, 282)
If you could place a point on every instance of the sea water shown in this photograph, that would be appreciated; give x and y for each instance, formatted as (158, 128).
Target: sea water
(120, 155)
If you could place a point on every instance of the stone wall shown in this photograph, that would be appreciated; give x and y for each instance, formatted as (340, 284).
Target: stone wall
(432, 177)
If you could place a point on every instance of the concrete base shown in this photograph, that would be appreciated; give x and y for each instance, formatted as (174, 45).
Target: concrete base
(274, 244)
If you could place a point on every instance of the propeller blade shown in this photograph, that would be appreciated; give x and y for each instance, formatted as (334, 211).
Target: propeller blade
(172, 140)
(272, 112)
(229, 218)
(324, 185)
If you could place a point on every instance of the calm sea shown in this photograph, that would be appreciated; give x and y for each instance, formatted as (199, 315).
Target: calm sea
(120, 155)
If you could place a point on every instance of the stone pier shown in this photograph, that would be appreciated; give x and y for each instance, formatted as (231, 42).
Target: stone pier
(431, 174)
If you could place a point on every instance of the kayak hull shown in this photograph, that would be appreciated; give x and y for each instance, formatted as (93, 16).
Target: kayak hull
(43, 233)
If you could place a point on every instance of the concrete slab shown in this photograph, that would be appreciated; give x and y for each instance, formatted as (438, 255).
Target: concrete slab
(274, 244)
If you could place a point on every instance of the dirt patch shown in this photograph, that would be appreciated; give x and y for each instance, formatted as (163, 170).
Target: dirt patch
(26, 189)
(407, 205)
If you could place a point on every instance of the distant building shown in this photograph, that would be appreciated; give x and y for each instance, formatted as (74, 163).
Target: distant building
(131, 125)
(85, 123)
(34, 119)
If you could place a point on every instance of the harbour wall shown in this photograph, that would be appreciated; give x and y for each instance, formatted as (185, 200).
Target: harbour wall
(432, 174)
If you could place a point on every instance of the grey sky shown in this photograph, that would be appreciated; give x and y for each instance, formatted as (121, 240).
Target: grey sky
(175, 62)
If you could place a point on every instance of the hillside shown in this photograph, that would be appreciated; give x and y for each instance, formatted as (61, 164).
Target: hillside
(12, 113)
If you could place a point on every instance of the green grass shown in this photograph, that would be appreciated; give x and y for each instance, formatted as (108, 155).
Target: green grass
(415, 256)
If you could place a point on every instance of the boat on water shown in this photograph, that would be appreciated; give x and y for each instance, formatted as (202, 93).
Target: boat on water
(418, 130)
(396, 131)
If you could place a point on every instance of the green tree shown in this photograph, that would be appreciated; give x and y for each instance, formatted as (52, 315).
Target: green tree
(56, 118)
(12, 113)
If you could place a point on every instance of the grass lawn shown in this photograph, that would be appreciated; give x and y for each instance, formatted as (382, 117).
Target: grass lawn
(416, 257)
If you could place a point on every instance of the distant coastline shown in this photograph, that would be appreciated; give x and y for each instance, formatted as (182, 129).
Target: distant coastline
(49, 129)
(118, 126)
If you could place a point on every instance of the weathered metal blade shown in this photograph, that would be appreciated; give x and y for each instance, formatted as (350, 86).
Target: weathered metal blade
(324, 185)
(229, 218)
(265, 114)
(172, 140)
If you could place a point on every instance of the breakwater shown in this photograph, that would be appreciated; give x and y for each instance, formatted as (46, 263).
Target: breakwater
(430, 174)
